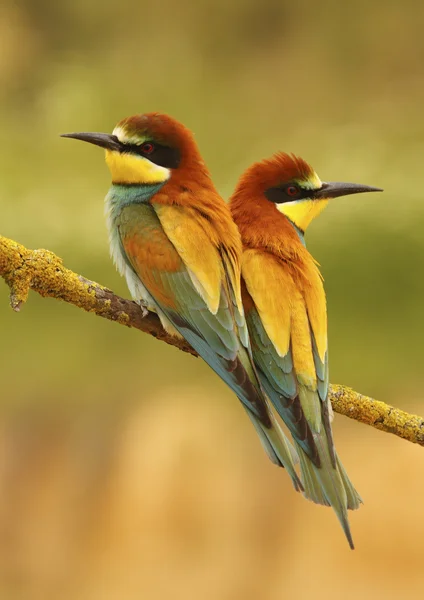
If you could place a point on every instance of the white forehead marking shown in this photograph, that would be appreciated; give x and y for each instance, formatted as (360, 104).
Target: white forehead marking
(312, 183)
(123, 136)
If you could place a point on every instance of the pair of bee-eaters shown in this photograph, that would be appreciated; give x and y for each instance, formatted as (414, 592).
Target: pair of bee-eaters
(236, 281)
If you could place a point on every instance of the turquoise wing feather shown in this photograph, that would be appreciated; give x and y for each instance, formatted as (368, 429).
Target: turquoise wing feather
(221, 338)
(216, 339)
(301, 399)
(279, 381)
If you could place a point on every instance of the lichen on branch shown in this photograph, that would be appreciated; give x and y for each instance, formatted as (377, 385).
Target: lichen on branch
(43, 272)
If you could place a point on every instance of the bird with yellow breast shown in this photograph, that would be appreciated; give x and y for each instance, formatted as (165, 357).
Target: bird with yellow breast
(285, 307)
(173, 239)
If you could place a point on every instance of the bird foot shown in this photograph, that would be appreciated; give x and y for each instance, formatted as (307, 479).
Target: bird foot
(144, 310)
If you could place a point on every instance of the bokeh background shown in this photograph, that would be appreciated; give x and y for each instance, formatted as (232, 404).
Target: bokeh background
(127, 469)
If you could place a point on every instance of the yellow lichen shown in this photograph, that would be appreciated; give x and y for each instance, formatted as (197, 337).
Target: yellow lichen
(377, 414)
(123, 318)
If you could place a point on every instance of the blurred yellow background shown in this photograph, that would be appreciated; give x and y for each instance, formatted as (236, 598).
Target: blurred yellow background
(127, 469)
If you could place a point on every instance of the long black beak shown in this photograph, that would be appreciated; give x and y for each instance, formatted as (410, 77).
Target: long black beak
(333, 189)
(105, 140)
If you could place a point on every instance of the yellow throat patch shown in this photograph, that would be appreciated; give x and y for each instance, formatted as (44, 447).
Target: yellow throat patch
(302, 212)
(130, 168)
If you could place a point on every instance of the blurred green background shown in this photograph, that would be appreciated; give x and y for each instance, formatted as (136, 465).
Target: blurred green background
(127, 469)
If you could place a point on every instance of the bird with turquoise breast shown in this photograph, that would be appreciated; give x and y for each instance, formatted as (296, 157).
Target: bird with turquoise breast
(285, 306)
(173, 239)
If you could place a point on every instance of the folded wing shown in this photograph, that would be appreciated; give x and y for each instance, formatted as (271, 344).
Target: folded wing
(286, 317)
(192, 277)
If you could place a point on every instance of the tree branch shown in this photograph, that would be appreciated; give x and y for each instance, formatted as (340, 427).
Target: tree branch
(43, 272)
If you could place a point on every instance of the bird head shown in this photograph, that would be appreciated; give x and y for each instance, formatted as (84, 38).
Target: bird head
(145, 149)
(293, 186)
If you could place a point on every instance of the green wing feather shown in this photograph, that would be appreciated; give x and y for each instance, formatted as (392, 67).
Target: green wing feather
(221, 338)
(279, 381)
(217, 340)
(324, 479)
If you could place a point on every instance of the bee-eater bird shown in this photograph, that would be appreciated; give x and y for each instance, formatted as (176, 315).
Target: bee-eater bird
(285, 307)
(173, 239)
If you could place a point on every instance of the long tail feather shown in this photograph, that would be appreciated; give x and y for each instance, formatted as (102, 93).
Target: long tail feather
(278, 448)
(354, 500)
(328, 485)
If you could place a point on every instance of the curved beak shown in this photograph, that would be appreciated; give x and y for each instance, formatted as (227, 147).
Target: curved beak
(104, 140)
(333, 189)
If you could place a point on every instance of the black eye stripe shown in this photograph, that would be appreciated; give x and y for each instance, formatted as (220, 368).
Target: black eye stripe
(163, 156)
(279, 194)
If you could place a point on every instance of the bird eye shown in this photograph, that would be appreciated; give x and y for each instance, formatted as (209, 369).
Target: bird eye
(147, 147)
(292, 190)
